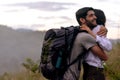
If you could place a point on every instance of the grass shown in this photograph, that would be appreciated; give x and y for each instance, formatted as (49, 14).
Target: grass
(24, 75)
(112, 68)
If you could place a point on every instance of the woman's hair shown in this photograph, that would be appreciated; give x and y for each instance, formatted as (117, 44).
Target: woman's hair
(101, 19)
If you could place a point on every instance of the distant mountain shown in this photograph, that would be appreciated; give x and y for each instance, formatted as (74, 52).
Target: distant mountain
(115, 41)
(16, 46)
(24, 30)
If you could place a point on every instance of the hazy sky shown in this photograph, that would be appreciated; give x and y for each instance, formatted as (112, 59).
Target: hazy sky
(45, 14)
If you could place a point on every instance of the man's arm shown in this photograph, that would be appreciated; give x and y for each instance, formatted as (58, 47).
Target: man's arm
(89, 43)
(102, 40)
(99, 52)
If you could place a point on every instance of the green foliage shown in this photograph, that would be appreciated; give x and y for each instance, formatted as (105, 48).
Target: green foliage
(31, 72)
(112, 73)
(31, 65)
(24, 75)
(112, 69)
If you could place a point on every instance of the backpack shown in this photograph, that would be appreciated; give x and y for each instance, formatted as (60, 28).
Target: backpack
(56, 50)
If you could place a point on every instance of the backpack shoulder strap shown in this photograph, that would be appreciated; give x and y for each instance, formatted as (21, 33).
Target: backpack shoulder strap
(77, 30)
(79, 57)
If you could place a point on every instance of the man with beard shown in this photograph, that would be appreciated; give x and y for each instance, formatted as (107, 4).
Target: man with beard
(84, 41)
(93, 65)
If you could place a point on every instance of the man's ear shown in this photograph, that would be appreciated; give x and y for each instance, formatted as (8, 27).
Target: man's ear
(82, 20)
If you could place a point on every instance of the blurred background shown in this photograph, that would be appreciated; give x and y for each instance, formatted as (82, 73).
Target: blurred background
(23, 24)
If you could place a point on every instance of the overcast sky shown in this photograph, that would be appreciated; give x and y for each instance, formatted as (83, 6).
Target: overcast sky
(45, 14)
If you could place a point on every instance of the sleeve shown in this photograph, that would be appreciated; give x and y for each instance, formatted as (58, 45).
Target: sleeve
(88, 41)
(104, 43)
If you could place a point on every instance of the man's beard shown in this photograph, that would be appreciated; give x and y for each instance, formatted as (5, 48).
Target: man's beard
(90, 25)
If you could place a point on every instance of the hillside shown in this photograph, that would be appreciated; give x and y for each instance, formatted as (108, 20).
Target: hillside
(16, 46)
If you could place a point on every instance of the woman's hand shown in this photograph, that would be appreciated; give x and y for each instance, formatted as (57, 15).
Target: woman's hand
(85, 27)
(103, 31)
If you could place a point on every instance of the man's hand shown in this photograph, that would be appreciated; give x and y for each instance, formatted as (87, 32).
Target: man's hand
(103, 31)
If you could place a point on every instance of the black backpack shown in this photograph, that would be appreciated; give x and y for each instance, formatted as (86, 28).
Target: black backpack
(56, 50)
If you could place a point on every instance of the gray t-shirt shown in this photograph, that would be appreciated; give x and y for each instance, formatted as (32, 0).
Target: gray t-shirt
(83, 41)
